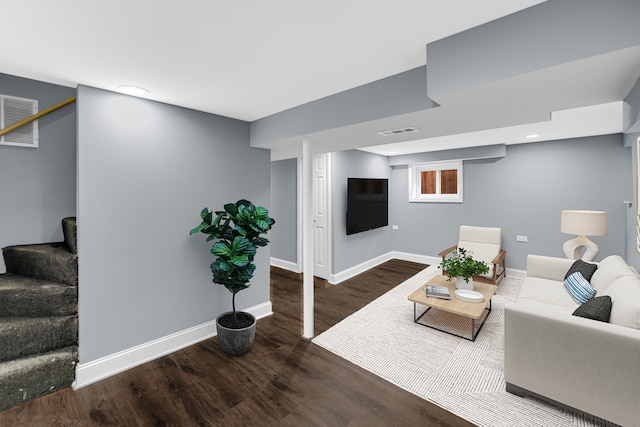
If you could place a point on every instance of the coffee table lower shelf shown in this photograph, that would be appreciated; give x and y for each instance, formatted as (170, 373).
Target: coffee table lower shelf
(474, 331)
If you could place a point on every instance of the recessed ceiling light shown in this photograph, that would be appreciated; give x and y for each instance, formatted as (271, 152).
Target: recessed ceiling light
(533, 135)
(133, 90)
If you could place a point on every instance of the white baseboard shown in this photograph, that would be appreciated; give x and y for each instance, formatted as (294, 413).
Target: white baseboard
(99, 369)
(422, 259)
(361, 268)
(286, 265)
(337, 278)
(516, 273)
(334, 279)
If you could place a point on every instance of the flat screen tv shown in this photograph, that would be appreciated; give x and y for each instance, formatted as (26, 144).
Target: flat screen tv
(367, 204)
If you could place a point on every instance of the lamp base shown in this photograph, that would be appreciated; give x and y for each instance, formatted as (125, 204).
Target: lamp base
(573, 248)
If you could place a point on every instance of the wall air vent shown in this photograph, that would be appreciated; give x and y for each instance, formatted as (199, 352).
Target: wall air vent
(397, 131)
(12, 110)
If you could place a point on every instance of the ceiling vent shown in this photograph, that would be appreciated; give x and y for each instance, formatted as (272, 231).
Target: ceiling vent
(397, 131)
(12, 110)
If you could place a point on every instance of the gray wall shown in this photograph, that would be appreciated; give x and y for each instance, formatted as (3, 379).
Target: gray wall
(572, 30)
(284, 209)
(398, 94)
(145, 171)
(38, 186)
(523, 193)
(349, 251)
(632, 104)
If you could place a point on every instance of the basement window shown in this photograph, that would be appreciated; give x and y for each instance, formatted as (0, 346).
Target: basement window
(436, 182)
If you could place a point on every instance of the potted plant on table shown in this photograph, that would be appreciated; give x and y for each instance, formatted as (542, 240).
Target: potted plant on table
(462, 265)
(237, 233)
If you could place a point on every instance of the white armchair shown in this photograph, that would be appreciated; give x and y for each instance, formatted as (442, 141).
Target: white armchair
(484, 244)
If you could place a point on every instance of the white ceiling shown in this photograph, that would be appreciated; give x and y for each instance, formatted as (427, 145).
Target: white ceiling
(245, 59)
(250, 59)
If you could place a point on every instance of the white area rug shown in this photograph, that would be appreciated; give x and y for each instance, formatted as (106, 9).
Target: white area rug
(464, 377)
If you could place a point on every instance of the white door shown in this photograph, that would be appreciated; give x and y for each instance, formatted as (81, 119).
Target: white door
(321, 209)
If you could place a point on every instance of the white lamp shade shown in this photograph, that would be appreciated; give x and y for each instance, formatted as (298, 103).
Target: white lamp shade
(583, 223)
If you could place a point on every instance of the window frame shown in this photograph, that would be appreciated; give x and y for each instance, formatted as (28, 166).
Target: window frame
(415, 182)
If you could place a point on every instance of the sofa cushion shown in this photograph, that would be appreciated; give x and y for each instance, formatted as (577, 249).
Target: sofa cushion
(598, 308)
(625, 296)
(609, 269)
(546, 291)
(585, 268)
(579, 288)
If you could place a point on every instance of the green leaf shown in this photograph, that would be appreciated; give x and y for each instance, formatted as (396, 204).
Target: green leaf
(261, 212)
(198, 228)
(231, 208)
(221, 266)
(240, 230)
(246, 273)
(218, 218)
(239, 260)
(260, 241)
(222, 249)
(208, 217)
(203, 213)
(242, 246)
(263, 225)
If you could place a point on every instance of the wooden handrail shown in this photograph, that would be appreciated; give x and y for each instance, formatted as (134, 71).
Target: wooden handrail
(36, 116)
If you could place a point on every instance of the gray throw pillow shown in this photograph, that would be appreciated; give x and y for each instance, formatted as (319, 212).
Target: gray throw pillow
(598, 308)
(585, 268)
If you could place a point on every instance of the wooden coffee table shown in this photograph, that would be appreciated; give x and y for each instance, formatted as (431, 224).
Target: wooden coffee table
(476, 311)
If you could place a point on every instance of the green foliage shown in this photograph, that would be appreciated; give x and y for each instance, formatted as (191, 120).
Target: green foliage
(237, 233)
(463, 264)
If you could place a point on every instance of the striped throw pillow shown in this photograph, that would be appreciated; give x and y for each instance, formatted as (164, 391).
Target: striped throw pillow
(579, 288)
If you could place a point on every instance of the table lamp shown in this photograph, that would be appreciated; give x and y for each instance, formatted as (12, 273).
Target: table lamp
(582, 223)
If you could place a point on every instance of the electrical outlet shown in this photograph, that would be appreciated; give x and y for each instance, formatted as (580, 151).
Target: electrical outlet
(394, 227)
(523, 239)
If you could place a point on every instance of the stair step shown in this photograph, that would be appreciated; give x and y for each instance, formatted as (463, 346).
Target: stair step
(32, 335)
(25, 379)
(70, 232)
(47, 261)
(22, 296)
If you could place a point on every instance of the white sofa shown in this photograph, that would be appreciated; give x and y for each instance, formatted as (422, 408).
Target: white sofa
(572, 361)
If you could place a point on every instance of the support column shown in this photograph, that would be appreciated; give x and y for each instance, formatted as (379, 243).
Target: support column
(307, 239)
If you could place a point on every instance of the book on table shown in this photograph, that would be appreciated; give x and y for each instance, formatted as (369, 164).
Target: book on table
(437, 291)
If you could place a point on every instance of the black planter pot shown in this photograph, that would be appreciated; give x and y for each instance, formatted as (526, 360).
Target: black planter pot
(236, 340)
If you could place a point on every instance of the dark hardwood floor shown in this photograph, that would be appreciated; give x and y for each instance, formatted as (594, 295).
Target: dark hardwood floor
(284, 380)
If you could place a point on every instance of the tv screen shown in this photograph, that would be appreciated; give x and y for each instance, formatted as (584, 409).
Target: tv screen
(367, 204)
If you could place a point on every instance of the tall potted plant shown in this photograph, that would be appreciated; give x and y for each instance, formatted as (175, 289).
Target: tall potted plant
(236, 232)
(462, 265)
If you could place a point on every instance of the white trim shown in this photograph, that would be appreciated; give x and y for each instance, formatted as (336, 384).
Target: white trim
(405, 256)
(299, 213)
(515, 273)
(99, 369)
(329, 180)
(415, 180)
(286, 265)
(334, 279)
(422, 259)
